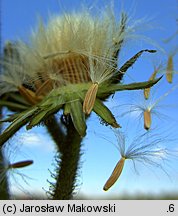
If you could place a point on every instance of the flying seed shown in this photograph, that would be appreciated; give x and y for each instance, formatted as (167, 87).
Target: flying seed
(169, 70)
(115, 174)
(147, 119)
(147, 90)
(20, 164)
(90, 98)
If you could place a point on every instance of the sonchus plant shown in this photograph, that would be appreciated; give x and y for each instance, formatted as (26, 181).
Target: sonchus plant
(70, 64)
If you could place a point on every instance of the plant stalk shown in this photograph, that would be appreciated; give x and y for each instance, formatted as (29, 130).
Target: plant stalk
(4, 189)
(68, 164)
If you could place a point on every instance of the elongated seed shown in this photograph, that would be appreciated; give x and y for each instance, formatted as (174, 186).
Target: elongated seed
(147, 119)
(169, 70)
(45, 88)
(29, 95)
(72, 67)
(115, 174)
(20, 164)
(147, 90)
(90, 98)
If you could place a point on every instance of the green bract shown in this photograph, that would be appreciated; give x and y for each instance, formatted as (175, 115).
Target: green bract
(69, 97)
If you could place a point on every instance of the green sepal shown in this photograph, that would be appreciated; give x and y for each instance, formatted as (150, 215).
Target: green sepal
(112, 88)
(45, 108)
(78, 117)
(10, 118)
(66, 109)
(37, 119)
(107, 116)
(18, 98)
(13, 105)
(132, 60)
(16, 124)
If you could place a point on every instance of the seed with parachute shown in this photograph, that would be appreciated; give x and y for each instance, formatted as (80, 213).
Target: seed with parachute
(141, 149)
(147, 119)
(147, 90)
(20, 164)
(115, 174)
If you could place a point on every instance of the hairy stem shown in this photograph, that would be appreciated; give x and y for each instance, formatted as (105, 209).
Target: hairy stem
(68, 164)
(56, 133)
(4, 189)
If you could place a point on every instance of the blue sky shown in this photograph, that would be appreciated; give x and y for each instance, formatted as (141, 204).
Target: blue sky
(100, 156)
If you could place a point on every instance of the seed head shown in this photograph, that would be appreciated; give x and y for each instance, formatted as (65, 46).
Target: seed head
(72, 58)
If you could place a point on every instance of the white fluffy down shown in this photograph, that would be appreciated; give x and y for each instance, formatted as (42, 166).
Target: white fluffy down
(94, 37)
